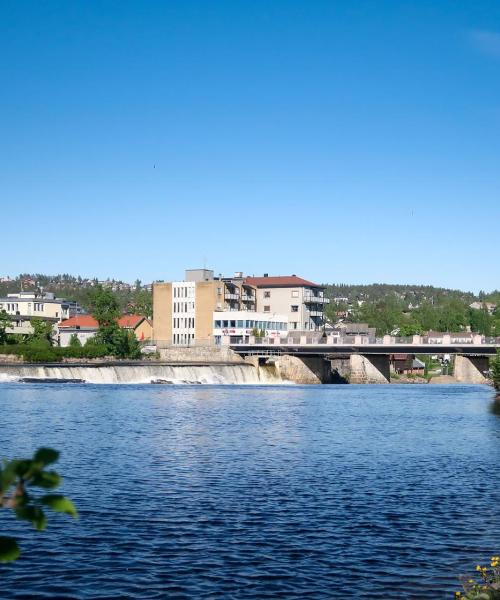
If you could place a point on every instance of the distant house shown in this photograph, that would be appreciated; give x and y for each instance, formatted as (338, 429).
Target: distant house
(460, 337)
(22, 307)
(489, 306)
(406, 364)
(141, 326)
(357, 329)
(85, 327)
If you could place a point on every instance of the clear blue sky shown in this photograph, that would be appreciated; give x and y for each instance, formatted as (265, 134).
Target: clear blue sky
(353, 141)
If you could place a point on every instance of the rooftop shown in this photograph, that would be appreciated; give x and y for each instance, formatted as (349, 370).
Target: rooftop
(88, 322)
(280, 281)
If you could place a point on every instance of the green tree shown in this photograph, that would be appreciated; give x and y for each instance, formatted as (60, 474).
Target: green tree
(125, 344)
(426, 314)
(105, 310)
(453, 315)
(19, 476)
(143, 303)
(104, 306)
(42, 331)
(74, 341)
(409, 329)
(5, 323)
(385, 315)
(481, 321)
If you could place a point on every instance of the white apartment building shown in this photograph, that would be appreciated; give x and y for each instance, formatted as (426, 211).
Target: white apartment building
(183, 312)
(24, 306)
(301, 301)
(236, 327)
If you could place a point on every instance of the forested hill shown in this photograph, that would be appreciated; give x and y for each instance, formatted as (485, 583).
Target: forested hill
(410, 309)
(134, 297)
(414, 294)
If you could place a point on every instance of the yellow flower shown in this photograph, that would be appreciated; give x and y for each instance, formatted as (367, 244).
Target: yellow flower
(478, 568)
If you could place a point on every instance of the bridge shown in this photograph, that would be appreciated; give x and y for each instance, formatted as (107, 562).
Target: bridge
(362, 360)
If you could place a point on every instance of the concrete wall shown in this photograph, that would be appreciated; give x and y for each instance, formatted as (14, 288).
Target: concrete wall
(162, 311)
(470, 369)
(199, 355)
(373, 368)
(209, 296)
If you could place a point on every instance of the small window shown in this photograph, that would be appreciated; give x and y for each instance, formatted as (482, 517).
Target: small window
(267, 294)
(295, 308)
(240, 324)
(295, 293)
(267, 308)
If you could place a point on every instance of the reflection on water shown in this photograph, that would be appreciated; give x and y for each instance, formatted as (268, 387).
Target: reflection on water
(243, 492)
(495, 405)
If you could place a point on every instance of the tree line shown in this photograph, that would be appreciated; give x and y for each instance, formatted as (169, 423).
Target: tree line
(391, 313)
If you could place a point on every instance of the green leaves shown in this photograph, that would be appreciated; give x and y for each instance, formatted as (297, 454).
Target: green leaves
(46, 479)
(59, 503)
(15, 477)
(33, 514)
(9, 550)
(46, 456)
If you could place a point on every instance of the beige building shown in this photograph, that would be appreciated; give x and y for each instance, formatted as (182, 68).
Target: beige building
(24, 306)
(183, 310)
(301, 301)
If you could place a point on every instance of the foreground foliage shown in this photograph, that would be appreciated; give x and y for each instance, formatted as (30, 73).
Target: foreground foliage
(16, 477)
(495, 370)
(486, 586)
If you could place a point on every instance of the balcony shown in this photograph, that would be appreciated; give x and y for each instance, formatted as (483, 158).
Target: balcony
(247, 298)
(316, 313)
(229, 296)
(312, 299)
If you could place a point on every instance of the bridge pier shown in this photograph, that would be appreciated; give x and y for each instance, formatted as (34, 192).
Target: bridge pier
(304, 369)
(369, 368)
(470, 369)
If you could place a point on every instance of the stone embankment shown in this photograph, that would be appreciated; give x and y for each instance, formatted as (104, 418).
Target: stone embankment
(197, 355)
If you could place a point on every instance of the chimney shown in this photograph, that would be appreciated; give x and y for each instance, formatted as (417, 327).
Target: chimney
(266, 274)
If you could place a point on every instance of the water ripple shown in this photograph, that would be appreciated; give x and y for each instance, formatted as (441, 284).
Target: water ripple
(253, 493)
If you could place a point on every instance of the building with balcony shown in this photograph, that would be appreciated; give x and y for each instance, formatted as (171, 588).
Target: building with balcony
(24, 306)
(183, 310)
(301, 301)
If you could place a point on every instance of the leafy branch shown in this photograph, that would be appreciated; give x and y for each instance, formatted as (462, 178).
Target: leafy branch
(19, 475)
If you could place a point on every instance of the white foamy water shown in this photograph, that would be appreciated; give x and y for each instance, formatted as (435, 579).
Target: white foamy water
(140, 374)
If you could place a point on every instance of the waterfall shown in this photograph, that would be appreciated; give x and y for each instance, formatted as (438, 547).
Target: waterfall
(139, 374)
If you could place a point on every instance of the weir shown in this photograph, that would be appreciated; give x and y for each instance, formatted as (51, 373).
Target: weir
(139, 374)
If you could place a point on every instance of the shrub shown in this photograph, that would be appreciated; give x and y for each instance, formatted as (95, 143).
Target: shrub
(488, 586)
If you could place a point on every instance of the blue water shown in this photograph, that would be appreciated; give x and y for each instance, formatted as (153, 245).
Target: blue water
(257, 492)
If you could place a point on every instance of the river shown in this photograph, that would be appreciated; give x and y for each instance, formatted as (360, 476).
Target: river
(255, 492)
